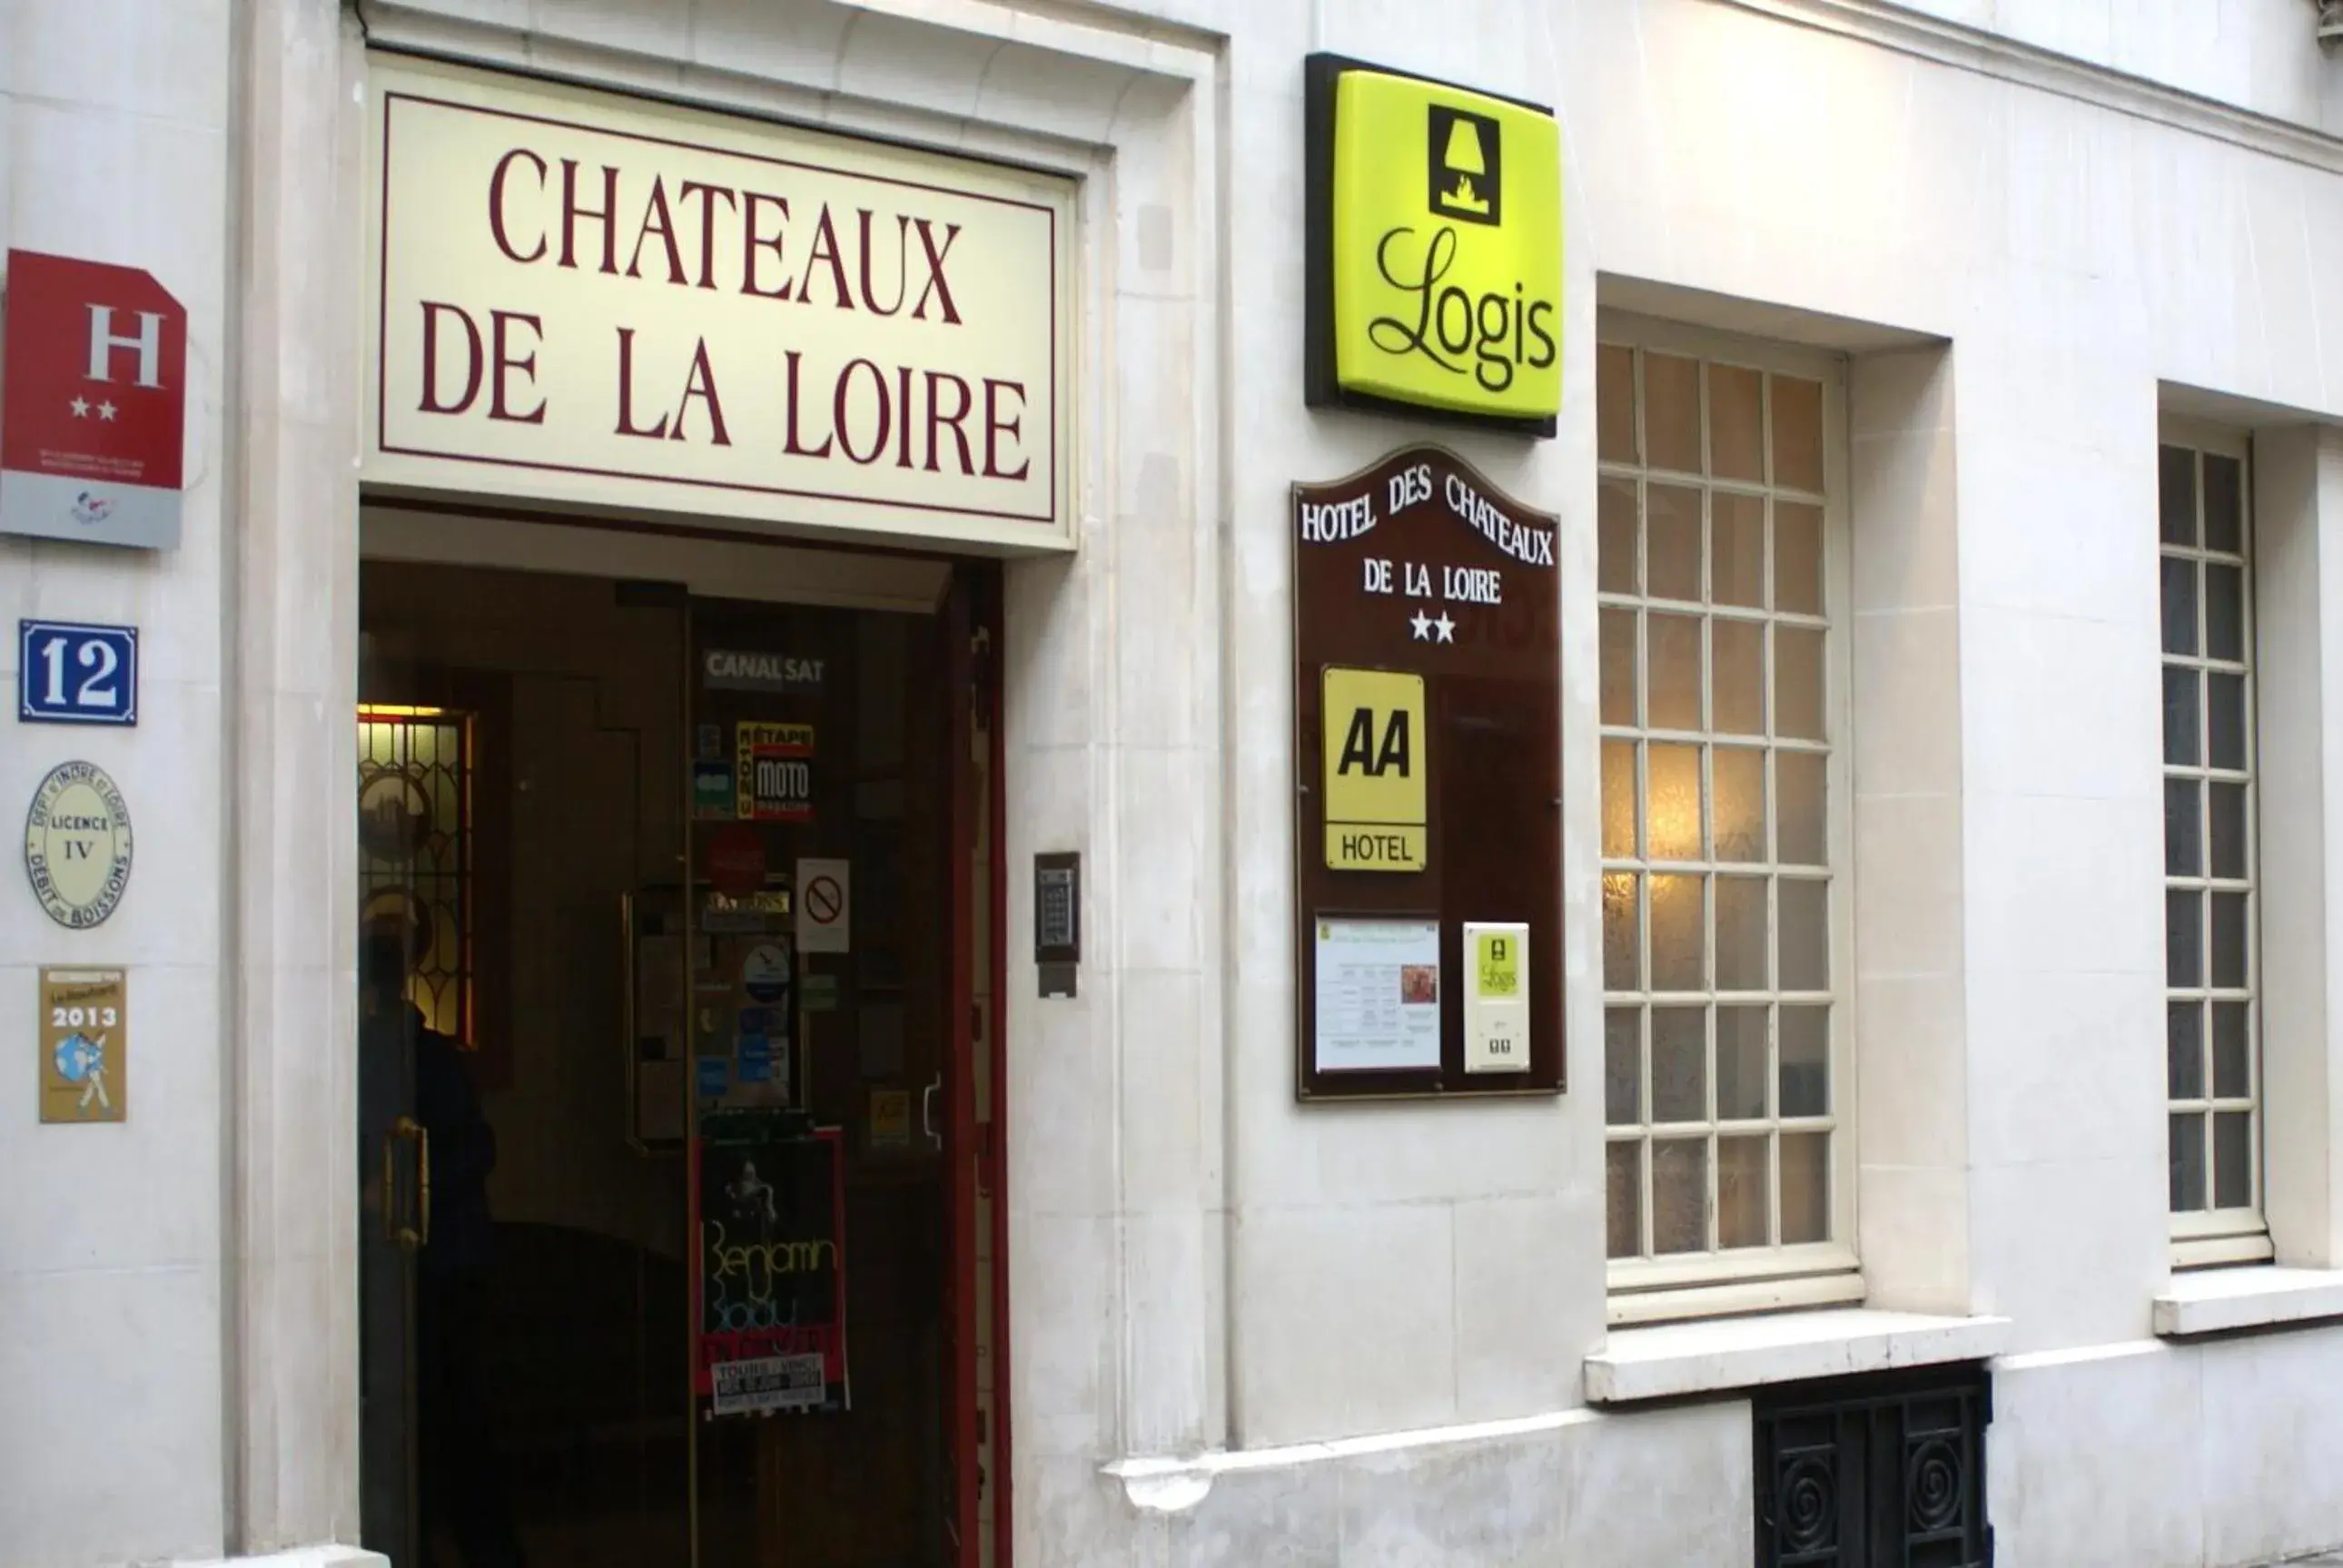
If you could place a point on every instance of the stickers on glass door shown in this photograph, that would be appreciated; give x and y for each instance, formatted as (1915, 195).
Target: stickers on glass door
(773, 772)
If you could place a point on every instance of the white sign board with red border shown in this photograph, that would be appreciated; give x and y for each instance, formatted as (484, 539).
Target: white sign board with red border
(581, 301)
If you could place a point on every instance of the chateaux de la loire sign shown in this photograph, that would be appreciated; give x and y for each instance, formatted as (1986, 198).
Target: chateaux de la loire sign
(590, 300)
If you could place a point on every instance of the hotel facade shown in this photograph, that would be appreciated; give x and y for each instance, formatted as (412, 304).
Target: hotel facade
(727, 908)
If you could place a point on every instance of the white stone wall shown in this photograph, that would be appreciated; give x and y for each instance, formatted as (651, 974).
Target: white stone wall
(1380, 1317)
(113, 145)
(2245, 52)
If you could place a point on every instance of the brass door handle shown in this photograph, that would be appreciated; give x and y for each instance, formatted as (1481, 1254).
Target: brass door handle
(386, 1190)
(418, 1234)
(423, 1179)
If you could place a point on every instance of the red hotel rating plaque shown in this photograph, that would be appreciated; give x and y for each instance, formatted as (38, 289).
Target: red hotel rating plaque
(92, 407)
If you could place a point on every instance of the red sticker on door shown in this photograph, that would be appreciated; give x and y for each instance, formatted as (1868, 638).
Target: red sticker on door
(736, 860)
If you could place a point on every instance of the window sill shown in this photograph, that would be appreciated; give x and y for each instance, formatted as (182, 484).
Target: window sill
(2222, 1301)
(1727, 1298)
(2219, 1251)
(1678, 1359)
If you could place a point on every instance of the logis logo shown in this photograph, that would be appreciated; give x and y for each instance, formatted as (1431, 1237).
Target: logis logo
(1492, 335)
(1466, 157)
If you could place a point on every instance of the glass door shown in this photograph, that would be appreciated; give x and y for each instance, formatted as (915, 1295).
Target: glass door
(394, 1151)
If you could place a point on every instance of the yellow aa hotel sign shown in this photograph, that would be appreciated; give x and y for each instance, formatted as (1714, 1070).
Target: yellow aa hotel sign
(1435, 239)
(1375, 761)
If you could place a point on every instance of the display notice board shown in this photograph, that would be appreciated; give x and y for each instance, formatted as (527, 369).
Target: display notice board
(768, 1295)
(1427, 785)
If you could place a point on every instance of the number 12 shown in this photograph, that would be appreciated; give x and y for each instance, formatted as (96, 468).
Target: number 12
(99, 690)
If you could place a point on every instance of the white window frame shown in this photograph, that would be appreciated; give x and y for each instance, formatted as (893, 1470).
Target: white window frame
(2213, 1237)
(1691, 1285)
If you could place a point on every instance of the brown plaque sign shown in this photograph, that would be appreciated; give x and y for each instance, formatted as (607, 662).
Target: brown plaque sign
(1428, 784)
(83, 1040)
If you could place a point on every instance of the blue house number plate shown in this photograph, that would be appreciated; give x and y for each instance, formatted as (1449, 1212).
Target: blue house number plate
(69, 673)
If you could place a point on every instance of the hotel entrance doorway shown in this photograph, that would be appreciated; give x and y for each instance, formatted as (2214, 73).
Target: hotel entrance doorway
(677, 1075)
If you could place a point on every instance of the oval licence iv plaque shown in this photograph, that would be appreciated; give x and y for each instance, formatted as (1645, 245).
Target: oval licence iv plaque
(77, 845)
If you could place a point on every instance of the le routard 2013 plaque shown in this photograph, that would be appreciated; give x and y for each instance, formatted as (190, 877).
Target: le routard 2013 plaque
(1428, 782)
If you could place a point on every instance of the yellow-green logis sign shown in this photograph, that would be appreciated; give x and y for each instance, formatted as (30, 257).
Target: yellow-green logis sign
(1435, 249)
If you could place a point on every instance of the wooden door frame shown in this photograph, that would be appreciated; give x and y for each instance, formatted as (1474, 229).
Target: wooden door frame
(972, 617)
(995, 1149)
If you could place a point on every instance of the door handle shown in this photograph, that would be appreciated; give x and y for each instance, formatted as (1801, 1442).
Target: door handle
(387, 1198)
(928, 1111)
(422, 1135)
(418, 1234)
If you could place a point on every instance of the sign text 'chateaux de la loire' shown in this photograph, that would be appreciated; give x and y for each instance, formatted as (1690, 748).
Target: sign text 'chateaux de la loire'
(602, 302)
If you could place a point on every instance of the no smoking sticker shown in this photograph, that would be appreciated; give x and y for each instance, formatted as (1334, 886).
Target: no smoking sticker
(824, 906)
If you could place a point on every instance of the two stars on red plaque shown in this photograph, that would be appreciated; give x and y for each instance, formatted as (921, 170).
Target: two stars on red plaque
(80, 407)
(1423, 626)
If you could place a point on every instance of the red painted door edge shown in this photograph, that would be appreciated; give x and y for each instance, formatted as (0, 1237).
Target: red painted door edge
(996, 1047)
(961, 1150)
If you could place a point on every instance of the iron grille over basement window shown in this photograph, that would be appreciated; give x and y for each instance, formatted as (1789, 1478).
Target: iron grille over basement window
(1874, 1471)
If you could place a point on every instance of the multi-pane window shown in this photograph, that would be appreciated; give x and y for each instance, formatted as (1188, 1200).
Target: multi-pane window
(1719, 903)
(2211, 1015)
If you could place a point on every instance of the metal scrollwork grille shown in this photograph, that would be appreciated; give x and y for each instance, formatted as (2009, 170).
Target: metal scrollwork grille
(1874, 1471)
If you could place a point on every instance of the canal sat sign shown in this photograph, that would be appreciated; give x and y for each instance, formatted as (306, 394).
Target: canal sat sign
(1434, 238)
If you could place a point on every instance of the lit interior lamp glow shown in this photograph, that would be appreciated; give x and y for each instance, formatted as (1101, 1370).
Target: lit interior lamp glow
(1672, 819)
(414, 850)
